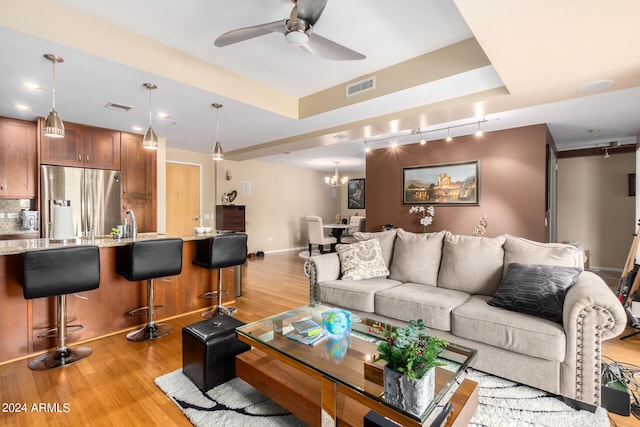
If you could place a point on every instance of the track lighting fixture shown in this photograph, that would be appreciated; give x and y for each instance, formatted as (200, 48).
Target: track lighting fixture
(449, 134)
(479, 130)
(366, 146)
(422, 140)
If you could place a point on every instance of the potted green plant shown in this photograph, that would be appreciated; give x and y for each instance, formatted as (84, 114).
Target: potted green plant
(411, 356)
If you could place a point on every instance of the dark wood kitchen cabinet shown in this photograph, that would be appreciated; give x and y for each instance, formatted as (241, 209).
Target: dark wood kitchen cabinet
(81, 146)
(139, 176)
(230, 217)
(18, 163)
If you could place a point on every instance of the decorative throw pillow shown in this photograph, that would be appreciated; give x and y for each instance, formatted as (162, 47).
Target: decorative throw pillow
(386, 239)
(416, 257)
(518, 249)
(535, 289)
(361, 260)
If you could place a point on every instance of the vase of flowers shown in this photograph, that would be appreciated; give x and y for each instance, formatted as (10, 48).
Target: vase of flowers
(411, 356)
(427, 215)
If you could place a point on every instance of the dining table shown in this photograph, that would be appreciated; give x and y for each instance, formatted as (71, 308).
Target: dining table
(337, 230)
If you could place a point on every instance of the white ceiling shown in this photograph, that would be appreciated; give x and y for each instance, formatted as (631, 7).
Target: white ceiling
(540, 53)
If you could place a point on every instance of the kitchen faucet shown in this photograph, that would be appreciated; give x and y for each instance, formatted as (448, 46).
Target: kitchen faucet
(131, 229)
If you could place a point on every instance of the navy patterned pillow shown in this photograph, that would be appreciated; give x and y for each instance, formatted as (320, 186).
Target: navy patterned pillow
(535, 289)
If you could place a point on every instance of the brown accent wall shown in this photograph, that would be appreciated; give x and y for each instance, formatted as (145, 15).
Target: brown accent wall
(511, 183)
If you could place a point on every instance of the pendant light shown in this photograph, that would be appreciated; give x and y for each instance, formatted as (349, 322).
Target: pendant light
(150, 140)
(53, 126)
(217, 153)
(336, 180)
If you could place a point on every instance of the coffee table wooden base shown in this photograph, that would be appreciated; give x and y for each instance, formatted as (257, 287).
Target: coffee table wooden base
(299, 391)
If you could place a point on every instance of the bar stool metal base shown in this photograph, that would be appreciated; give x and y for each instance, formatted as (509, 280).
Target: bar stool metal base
(59, 358)
(218, 310)
(150, 332)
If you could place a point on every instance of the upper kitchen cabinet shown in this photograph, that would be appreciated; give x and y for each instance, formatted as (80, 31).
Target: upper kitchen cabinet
(139, 188)
(138, 168)
(81, 146)
(18, 164)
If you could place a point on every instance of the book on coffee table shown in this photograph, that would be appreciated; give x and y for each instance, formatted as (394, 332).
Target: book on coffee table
(308, 340)
(307, 327)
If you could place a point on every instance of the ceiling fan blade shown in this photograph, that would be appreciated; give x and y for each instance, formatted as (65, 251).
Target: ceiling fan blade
(242, 34)
(327, 49)
(310, 10)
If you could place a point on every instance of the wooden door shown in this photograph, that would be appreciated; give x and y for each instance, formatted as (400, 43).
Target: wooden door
(183, 198)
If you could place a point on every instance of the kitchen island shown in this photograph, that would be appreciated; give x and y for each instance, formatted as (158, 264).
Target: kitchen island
(104, 311)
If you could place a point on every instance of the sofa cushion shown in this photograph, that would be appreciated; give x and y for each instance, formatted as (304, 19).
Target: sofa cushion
(415, 301)
(416, 257)
(471, 264)
(478, 321)
(386, 239)
(361, 260)
(535, 289)
(353, 294)
(517, 249)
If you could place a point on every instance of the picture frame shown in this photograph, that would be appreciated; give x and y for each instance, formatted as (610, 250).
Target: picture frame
(451, 184)
(355, 194)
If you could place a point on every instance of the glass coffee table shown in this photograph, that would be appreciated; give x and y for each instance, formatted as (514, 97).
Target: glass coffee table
(335, 379)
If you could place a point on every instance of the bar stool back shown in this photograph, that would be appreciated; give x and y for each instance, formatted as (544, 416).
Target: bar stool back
(59, 272)
(148, 260)
(218, 252)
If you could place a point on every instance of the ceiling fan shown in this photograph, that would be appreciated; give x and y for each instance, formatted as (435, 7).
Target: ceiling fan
(298, 30)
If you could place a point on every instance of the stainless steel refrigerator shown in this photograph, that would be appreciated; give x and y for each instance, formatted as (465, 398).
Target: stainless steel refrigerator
(94, 195)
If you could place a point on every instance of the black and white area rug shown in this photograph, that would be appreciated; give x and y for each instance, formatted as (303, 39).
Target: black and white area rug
(502, 403)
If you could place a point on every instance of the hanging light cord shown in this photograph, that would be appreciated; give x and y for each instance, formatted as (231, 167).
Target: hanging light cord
(217, 124)
(149, 89)
(53, 85)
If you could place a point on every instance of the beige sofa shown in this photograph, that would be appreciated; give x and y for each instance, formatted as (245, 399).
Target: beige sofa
(447, 280)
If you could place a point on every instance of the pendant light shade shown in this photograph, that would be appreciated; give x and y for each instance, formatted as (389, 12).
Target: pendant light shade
(217, 153)
(336, 180)
(150, 139)
(53, 126)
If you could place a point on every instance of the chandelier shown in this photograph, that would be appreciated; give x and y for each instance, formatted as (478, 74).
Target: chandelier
(336, 180)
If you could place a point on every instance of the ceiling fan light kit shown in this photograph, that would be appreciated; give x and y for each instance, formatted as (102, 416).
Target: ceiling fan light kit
(298, 31)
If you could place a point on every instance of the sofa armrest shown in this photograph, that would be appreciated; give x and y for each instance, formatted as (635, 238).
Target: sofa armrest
(591, 314)
(322, 268)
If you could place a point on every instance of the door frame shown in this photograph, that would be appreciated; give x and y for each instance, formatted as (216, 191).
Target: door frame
(199, 165)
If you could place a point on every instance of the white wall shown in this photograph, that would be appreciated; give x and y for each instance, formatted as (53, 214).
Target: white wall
(594, 208)
(280, 198)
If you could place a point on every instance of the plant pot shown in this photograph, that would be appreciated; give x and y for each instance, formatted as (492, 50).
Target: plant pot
(410, 395)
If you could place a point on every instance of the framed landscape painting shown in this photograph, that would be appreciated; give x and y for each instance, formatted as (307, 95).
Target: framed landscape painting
(443, 184)
(355, 194)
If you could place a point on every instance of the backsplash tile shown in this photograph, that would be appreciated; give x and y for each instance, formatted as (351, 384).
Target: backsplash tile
(12, 206)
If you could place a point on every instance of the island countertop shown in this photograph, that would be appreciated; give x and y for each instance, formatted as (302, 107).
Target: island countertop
(102, 311)
(14, 247)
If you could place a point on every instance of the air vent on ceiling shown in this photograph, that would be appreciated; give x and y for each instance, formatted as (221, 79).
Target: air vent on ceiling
(118, 107)
(361, 86)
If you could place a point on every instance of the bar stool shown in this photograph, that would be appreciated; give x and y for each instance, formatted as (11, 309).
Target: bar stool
(59, 272)
(148, 260)
(218, 252)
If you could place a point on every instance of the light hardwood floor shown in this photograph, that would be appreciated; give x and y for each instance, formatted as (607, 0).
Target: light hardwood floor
(114, 386)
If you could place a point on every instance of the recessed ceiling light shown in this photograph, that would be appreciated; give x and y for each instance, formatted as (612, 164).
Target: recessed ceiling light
(32, 86)
(594, 130)
(163, 116)
(22, 107)
(137, 128)
(596, 85)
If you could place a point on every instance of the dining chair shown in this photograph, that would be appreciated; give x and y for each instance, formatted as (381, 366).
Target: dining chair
(317, 234)
(356, 223)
